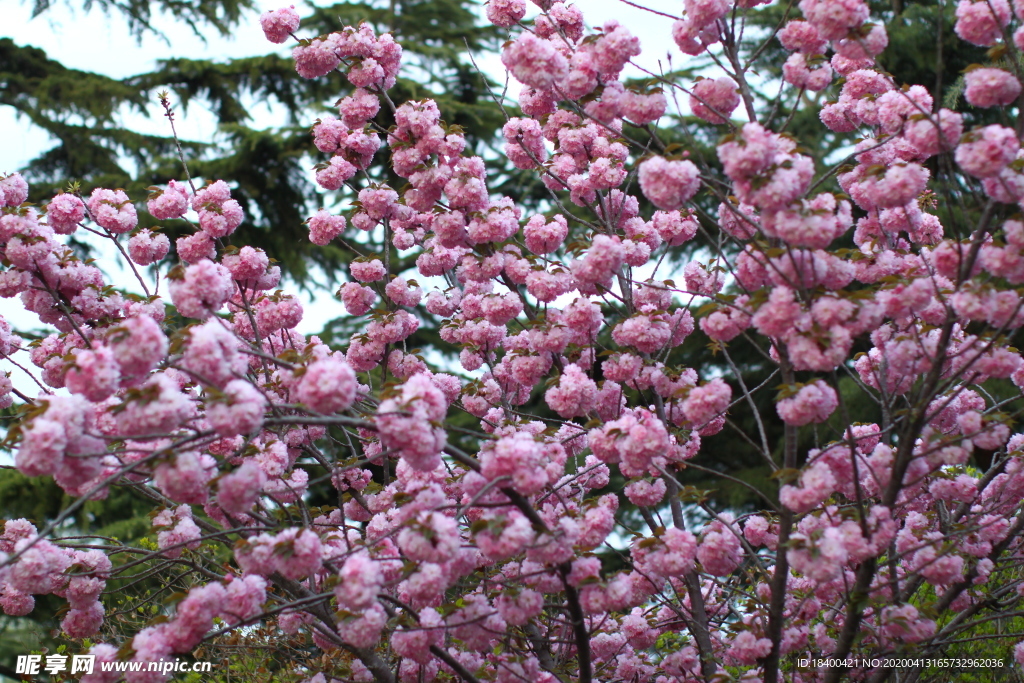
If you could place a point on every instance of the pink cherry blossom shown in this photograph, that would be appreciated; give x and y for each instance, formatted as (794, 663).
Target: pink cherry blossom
(112, 210)
(669, 184)
(146, 247)
(13, 189)
(802, 36)
(981, 23)
(574, 395)
(986, 151)
(535, 62)
(203, 290)
(170, 203)
(813, 402)
(834, 19)
(714, 99)
(324, 227)
(158, 406)
(94, 373)
(237, 491)
(213, 354)
(327, 386)
(242, 411)
(64, 213)
(991, 87)
(318, 58)
(707, 401)
(279, 24)
(798, 71)
(413, 435)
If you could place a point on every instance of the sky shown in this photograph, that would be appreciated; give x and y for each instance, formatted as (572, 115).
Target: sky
(93, 41)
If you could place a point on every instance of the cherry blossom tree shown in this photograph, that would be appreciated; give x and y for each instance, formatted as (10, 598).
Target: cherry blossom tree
(476, 528)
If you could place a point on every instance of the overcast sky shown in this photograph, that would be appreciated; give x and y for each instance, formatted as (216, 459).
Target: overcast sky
(93, 41)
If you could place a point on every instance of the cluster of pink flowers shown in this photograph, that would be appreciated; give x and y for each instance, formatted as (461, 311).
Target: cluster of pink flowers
(279, 24)
(406, 423)
(768, 175)
(64, 213)
(219, 215)
(991, 87)
(634, 441)
(714, 99)
(372, 61)
(294, 553)
(111, 209)
(327, 386)
(202, 290)
(982, 23)
(699, 29)
(669, 184)
(813, 402)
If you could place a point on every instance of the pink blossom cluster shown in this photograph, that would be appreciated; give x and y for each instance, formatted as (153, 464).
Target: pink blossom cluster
(813, 402)
(219, 215)
(669, 184)
(112, 210)
(982, 23)
(714, 99)
(768, 175)
(64, 213)
(295, 553)
(406, 423)
(372, 60)
(699, 29)
(279, 24)
(633, 441)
